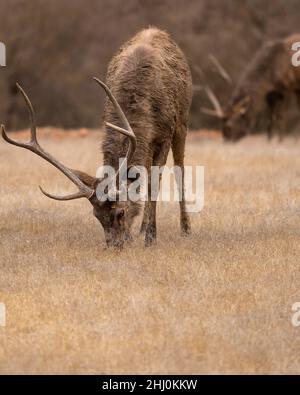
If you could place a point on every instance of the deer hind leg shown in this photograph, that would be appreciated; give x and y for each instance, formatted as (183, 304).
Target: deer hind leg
(145, 217)
(178, 148)
(159, 159)
(277, 104)
(278, 121)
(146, 205)
(271, 100)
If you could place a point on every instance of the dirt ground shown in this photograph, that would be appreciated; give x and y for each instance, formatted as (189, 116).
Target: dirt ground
(219, 301)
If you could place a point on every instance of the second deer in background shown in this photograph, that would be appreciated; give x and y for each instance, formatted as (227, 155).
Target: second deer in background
(267, 84)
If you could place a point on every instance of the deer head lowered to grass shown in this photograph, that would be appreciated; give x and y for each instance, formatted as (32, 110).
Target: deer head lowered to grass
(265, 86)
(150, 79)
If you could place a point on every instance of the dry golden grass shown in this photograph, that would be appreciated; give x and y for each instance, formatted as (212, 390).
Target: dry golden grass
(217, 302)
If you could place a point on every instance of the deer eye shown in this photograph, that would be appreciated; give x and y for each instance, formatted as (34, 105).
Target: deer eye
(121, 213)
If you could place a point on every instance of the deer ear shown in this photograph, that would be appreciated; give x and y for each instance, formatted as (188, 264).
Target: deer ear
(86, 179)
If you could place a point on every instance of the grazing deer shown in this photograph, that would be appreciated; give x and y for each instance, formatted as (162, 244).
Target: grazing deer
(149, 80)
(267, 83)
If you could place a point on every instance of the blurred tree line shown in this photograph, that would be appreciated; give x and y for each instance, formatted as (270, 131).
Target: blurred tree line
(54, 48)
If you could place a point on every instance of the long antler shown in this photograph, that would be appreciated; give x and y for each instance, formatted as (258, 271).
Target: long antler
(33, 145)
(127, 130)
(218, 110)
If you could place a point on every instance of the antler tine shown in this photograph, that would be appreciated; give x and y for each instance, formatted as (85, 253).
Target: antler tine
(33, 140)
(127, 131)
(220, 69)
(10, 141)
(210, 112)
(199, 71)
(215, 102)
(33, 145)
(77, 195)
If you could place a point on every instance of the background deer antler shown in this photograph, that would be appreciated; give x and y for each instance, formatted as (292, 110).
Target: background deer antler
(218, 110)
(220, 68)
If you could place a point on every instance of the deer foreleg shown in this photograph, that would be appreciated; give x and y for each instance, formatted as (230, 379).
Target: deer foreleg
(159, 159)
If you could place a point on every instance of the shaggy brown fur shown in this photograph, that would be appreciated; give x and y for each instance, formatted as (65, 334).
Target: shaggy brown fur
(269, 80)
(151, 80)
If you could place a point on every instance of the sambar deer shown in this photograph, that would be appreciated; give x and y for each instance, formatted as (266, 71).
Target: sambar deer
(267, 84)
(149, 80)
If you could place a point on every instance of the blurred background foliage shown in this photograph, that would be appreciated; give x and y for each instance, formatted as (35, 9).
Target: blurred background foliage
(54, 48)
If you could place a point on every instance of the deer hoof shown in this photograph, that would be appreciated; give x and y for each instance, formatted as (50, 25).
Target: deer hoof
(185, 228)
(150, 238)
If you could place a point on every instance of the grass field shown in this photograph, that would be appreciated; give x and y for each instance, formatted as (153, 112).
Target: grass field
(219, 301)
